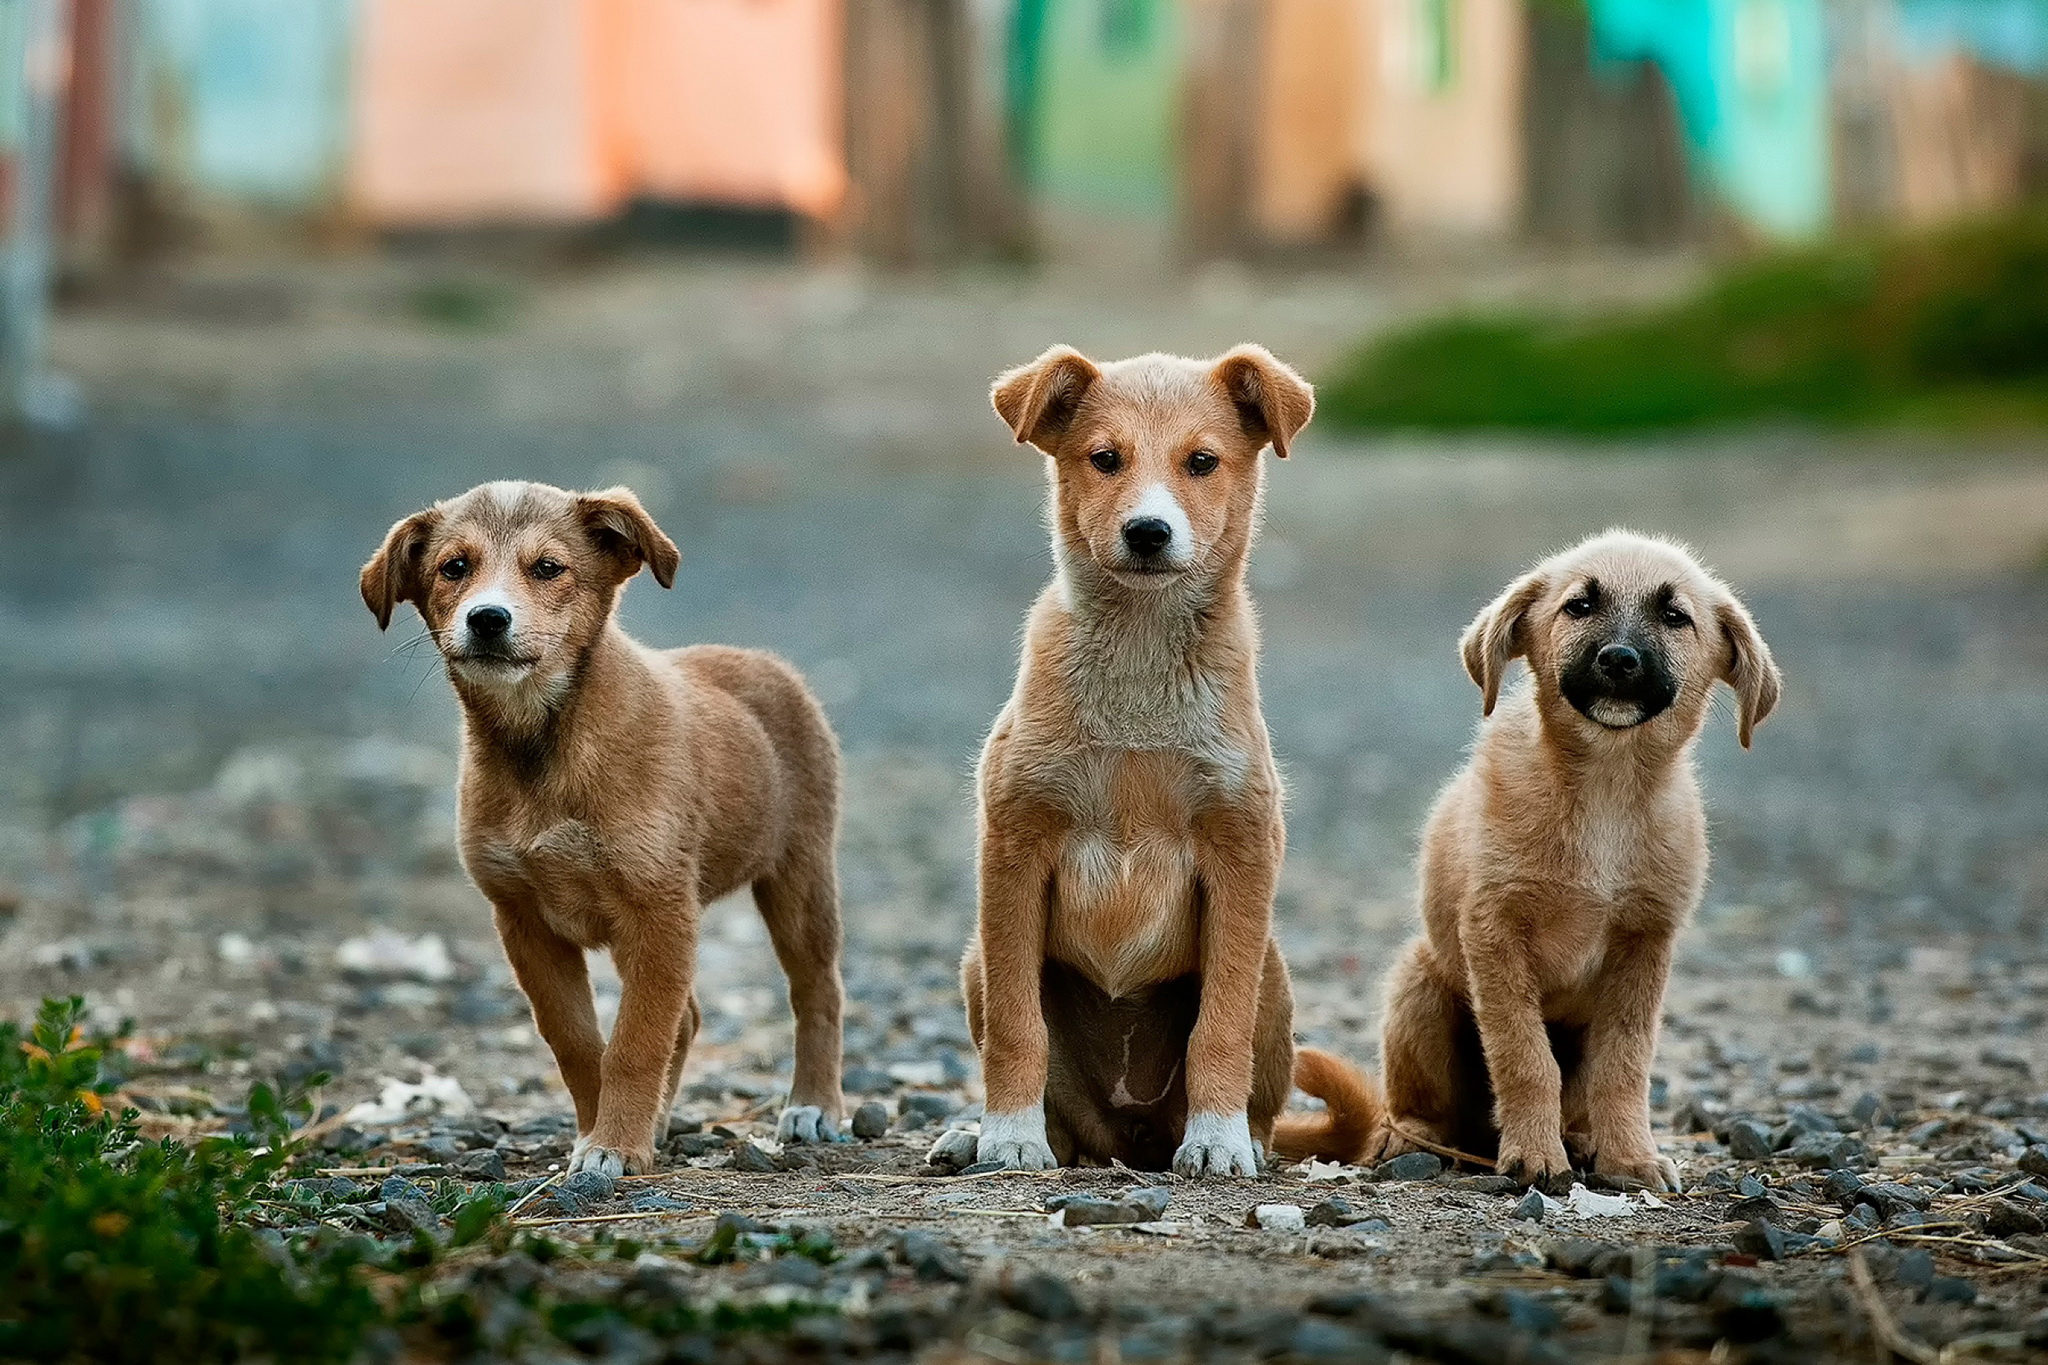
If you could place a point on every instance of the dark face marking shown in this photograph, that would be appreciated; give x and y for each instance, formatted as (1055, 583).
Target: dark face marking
(1618, 669)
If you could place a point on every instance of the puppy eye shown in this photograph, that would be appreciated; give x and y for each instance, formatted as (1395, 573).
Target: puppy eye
(1202, 462)
(545, 569)
(1675, 618)
(1579, 607)
(1108, 461)
(456, 569)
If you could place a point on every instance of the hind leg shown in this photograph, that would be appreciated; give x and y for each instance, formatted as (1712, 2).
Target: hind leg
(1419, 1054)
(799, 901)
(693, 1019)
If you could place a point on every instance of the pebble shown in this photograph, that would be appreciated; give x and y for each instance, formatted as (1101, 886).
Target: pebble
(1042, 1296)
(753, 1159)
(932, 1259)
(2034, 1161)
(657, 1202)
(1532, 1207)
(1411, 1166)
(1749, 1140)
(1756, 1209)
(871, 1120)
(482, 1164)
(1136, 1206)
(1336, 1212)
(1277, 1218)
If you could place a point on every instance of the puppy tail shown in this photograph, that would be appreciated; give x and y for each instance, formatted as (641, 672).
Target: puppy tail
(1354, 1114)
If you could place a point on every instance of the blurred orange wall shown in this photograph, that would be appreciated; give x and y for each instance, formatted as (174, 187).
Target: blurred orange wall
(522, 110)
(1315, 91)
(732, 101)
(1446, 126)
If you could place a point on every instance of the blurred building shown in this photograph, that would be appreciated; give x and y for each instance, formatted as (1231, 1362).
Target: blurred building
(922, 130)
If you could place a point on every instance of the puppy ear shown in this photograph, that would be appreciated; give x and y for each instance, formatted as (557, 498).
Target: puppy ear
(397, 572)
(1496, 636)
(1272, 400)
(620, 527)
(1039, 400)
(1750, 670)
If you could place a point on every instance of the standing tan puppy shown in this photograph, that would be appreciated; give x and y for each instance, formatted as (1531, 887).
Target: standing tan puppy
(1559, 865)
(1123, 985)
(609, 792)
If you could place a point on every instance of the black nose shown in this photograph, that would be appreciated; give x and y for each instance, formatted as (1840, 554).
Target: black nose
(488, 623)
(1147, 535)
(1619, 661)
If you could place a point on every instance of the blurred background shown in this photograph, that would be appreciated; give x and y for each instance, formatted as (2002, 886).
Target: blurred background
(1770, 275)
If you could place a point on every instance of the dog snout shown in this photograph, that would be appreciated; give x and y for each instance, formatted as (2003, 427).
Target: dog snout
(489, 623)
(1147, 536)
(1620, 663)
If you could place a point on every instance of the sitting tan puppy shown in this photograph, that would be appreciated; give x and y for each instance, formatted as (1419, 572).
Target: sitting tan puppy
(1123, 986)
(609, 792)
(1560, 864)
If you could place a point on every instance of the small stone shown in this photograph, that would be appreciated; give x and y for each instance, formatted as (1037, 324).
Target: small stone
(1749, 1140)
(1890, 1197)
(657, 1202)
(1749, 1187)
(1532, 1208)
(1867, 1112)
(1411, 1166)
(1489, 1184)
(482, 1164)
(1335, 1212)
(2034, 1161)
(1041, 1296)
(1321, 1339)
(1914, 1269)
(1582, 1257)
(954, 1151)
(1844, 1187)
(1277, 1218)
(2030, 1190)
(398, 1187)
(983, 1168)
(1762, 1240)
(411, 1215)
(1087, 1210)
(1951, 1289)
(871, 1120)
(689, 1145)
(932, 1259)
(933, 1106)
(753, 1159)
(1828, 1151)
(1756, 1209)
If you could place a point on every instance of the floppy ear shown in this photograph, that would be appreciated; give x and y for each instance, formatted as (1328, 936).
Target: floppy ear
(1750, 670)
(1495, 636)
(397, 572)
(620, 527)
(1038, 400)
(1273, 402)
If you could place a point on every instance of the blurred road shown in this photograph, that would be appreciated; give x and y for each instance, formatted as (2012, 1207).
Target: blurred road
(177, 579)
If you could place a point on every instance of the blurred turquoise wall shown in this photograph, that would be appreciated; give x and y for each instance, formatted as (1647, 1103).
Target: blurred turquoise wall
(244, 99)
(1098, 107)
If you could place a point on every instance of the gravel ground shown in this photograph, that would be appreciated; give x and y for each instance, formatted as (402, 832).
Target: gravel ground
(225, 809)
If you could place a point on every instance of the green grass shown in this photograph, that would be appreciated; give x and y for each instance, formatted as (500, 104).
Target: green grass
(1946, 329)
(116, 1249)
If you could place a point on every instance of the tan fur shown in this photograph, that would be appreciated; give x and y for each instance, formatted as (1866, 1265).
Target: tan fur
(1558, 867)
(1123, 972)
(610, 791)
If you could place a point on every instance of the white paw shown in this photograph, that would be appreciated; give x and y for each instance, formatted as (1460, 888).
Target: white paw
(806, 1123)
(606, 1161)
(1217, 1144)
(1016, 1140)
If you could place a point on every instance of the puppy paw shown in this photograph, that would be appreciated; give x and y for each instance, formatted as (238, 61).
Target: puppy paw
(1654, 1170)
(1534, 1163)
(1016, 1140)
(806, 1123)
(610, 1162)
(1217, 1144)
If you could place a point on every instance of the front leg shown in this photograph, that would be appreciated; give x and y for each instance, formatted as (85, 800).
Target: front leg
(1015, 880)
(655, 950)
(1507, 1005)
(1621, 1044)
(1238, 864)
(552, 972)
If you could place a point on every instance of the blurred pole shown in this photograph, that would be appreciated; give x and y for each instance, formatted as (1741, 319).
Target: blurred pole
(33, 76)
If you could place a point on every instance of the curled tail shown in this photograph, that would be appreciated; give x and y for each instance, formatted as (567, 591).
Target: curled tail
(1353, 1116)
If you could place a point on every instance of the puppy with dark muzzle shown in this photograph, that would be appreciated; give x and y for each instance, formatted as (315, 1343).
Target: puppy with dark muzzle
(609, 792)
(1560, 864)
